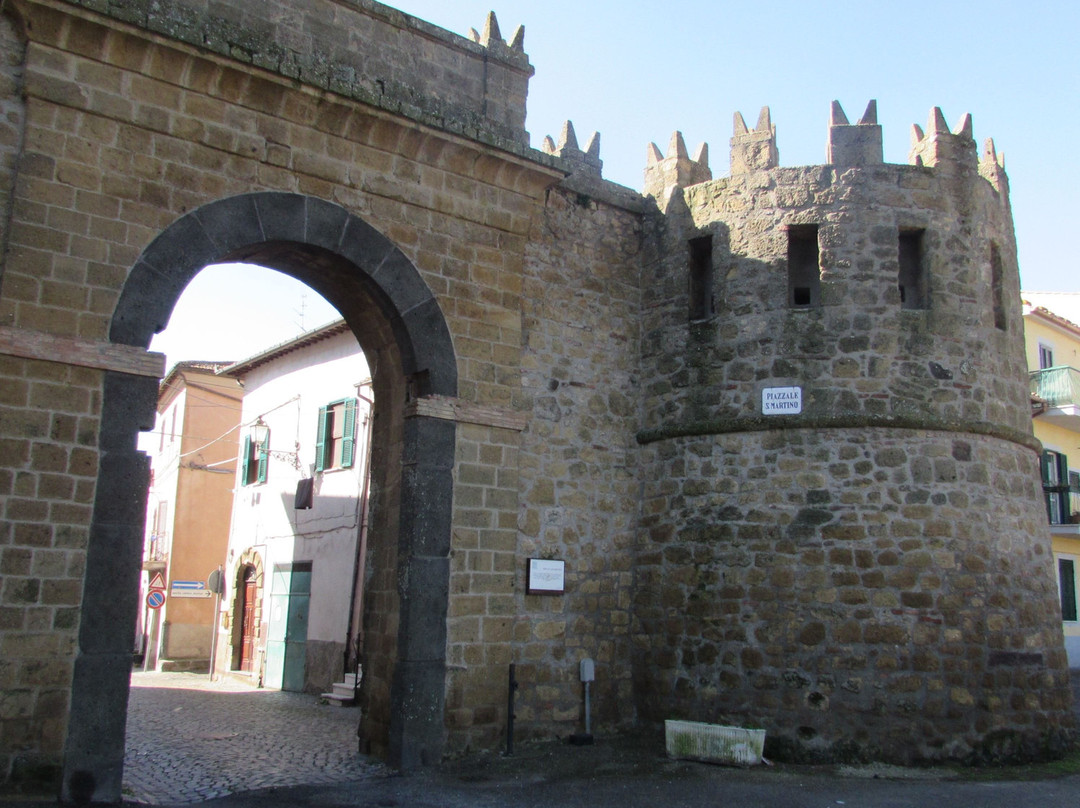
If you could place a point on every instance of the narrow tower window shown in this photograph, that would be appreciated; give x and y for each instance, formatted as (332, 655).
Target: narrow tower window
(804, 274)
(997, 286)
(912, 275)
(701, 279)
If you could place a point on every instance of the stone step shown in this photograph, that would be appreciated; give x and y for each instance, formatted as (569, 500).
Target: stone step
(344, 692)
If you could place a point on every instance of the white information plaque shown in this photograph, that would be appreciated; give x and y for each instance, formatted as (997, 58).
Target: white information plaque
(781, 401)
(545, 577)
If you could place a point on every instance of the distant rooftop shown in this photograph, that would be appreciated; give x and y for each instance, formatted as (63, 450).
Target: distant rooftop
(1061, 305)
(331, 329)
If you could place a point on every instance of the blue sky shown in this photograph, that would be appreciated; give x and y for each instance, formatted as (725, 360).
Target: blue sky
(637, 71)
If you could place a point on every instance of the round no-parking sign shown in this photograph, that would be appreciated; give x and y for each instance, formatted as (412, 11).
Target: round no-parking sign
(155, 599)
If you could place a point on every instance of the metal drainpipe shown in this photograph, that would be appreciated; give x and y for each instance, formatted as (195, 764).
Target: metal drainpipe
(361, 544)
(513, 686)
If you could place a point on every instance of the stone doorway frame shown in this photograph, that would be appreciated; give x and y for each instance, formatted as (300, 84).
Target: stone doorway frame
(382, 296)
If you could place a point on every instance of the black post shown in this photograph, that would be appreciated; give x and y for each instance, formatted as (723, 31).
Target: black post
(510, 712)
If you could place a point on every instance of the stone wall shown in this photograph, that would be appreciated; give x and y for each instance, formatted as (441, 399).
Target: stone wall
(49, 418)
(861, 593)
(126, 134)
(848, 576)
(859, 354)
(357, 49)
(867, 578)
(12, 114)
(579, 461)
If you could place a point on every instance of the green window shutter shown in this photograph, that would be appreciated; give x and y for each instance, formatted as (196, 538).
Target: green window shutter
(1055, 483)
(1067, 577)
(245, 461)
(1063, 486)
(1046, 466)
(348, 433)
(264, 459)
(320, 439)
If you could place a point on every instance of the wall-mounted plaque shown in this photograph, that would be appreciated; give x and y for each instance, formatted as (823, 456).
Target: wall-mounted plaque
(781, 401)
(545, 577)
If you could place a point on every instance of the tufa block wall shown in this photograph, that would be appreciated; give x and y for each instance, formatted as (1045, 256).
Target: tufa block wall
(801, 567)
(868, 578)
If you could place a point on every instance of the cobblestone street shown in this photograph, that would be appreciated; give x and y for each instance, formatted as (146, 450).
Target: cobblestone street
(189, 740)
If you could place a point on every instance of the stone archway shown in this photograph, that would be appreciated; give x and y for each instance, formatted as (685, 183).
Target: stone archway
(399, 325)
(247, 573)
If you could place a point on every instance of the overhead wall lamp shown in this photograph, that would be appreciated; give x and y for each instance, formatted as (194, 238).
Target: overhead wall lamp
(260, 432)
(260, 438)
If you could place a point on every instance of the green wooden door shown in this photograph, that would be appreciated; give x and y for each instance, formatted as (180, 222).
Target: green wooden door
(286, 646)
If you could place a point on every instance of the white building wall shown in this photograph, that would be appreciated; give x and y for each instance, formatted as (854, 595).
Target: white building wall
(287, 393)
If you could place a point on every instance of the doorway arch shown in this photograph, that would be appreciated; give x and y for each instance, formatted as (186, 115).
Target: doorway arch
(400, 327)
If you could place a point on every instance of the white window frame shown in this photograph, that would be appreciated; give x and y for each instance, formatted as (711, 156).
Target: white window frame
(1046, 354)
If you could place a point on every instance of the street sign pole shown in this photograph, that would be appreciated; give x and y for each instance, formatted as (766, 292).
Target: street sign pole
(151, 642)
(215, 585)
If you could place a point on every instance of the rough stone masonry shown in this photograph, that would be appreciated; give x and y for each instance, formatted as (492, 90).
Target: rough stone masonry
(565, 369)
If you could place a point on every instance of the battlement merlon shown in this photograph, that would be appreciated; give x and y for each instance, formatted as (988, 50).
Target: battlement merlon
(580, 162)
(491, 38)
(859, 145)
(848, 146)
(754, 150)
(940, 147)
(992, 168)
(677, 170)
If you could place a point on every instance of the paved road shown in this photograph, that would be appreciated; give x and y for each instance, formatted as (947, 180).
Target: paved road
(190, 740)
(236, 747)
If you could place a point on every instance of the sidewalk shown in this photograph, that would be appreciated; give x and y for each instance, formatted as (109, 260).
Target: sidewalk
(269, 749)
(228, 745)
(634, 773)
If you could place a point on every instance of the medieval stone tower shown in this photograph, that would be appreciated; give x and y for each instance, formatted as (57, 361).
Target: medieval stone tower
(835, 438)
(772, 427)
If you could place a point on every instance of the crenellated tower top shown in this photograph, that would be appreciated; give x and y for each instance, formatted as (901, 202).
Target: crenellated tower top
(848, 146)
(992, 167)
(582, 162)
(937, 145)
(677, 169)
(754, 150)
(491, 37)
(858, 145)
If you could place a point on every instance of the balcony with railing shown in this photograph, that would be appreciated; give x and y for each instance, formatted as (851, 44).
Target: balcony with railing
(155, 553)
(1056, 392)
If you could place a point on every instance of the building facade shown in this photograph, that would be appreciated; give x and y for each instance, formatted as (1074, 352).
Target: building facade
(773, 427)
(291, 616)
(192, 452)
(1053, 354)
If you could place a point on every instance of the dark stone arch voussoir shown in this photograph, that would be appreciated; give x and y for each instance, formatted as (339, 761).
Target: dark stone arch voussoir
(330, 245)
(235, 228)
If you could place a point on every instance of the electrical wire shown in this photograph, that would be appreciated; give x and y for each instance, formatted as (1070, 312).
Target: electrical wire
(240, 426)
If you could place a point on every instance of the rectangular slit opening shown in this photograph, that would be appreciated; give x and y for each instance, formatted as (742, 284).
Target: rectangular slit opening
(702, 305)
(804, 271)
(997, 282)
(911, 277)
